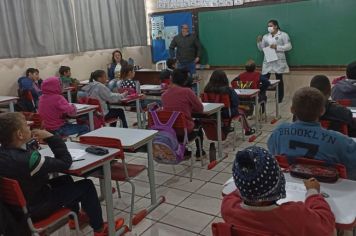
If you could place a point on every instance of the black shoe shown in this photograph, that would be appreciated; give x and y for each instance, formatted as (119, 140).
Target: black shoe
(198, 157)
(187, 154)
(250, 132)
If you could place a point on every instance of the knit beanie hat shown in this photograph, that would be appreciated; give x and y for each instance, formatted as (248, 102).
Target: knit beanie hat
(351, 71)
(257, 175)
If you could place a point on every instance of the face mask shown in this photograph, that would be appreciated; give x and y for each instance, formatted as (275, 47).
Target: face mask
(270, 29)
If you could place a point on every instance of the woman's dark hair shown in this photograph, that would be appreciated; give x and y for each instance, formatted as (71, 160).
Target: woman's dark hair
(275, 23)
(125, 69)
(113, 58)
(94, 76)
(180, 77)
(218, 82)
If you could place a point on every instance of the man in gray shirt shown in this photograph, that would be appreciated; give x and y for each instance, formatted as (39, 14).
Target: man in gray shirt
(188, 49)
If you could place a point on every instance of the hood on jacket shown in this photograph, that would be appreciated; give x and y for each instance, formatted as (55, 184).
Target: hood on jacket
(90, 86)
(52, 85)
(347, 86)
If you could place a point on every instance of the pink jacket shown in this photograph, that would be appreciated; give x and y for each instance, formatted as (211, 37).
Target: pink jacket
(53, 106)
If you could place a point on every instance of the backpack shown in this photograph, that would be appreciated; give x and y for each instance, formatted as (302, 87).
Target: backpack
(166, 148)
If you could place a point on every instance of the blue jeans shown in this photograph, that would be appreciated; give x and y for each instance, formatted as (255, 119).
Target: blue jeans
(70, 129)
(190, 66)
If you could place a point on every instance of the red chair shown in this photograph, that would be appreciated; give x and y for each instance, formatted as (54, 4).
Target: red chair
(284, 163)
(11, 194)
(181, 130)
(35, 118)
(225, 229)
(210, 131)
(99, 118)
(345, 102)
(335, 125)
(120, 171)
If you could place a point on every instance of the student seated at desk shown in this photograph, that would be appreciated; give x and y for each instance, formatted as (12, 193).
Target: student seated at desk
(166, 74)
(334, 112)
(53, 109)
(65, 76)
(127, 73)
(346, 88)
(43, 195)
(219, 84)
(306, 138)
(97, 89)
(260, 185)
(179, 98)
(31, 82)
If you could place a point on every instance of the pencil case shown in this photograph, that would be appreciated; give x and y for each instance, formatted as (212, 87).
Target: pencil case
(326, 174)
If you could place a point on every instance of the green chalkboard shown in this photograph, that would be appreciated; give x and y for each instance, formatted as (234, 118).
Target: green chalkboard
(322, 32)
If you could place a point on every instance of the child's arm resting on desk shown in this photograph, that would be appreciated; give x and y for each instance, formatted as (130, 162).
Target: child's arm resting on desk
(43, 165)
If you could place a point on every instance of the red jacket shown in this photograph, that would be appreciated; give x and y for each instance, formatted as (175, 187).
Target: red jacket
(312, 218)
(254, 77)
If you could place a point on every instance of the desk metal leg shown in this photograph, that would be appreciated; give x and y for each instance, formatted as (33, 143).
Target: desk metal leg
(69, 96)
(108, 198)
(138, 113)
(277, 103)
(257, 114)
(219, 135)
(11, 106)
(91, 120)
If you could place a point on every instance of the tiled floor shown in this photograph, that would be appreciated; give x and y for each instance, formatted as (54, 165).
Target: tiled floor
(190, 207)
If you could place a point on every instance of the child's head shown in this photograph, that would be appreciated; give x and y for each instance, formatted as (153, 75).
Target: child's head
(180, 77)
(116, 57)
(258, 176)
(322, 83)
(308, 104)
(52, 85)
(127, 71)
(14, 131)
(99, 76)
(250, 66)
(33, 74)
(218, 80)
(171, 63)
(65, 71)
(351, 71)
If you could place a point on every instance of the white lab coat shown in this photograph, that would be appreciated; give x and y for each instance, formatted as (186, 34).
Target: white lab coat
(281, 39)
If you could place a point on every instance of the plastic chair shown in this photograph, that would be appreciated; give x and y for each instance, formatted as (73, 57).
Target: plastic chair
(345, 102)
(335, 125)
(161, 64)
(35, 118)
(181, 129)
(225, 229)
(225, 99)
(119, 171)
(26, 100)
(11, 193)
(99, 119)
(285, 163)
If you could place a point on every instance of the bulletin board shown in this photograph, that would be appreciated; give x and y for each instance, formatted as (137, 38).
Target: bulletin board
(163, 29)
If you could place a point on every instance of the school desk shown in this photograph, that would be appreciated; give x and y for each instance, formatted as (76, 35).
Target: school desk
(90, 162)
(135, 98)
(68, 90)
(252, 94)
(340, 196)
(353, 110)
(9, 100)
(83, 109)
(148, 76)
(274, 87)
(132, 139)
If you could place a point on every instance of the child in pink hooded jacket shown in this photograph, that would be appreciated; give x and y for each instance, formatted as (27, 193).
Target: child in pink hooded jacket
(53, 108)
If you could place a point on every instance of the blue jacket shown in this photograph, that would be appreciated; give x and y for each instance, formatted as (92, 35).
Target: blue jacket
(309, 139)
(26, 83)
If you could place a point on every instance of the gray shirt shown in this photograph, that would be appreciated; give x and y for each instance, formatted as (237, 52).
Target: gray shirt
(188, 48)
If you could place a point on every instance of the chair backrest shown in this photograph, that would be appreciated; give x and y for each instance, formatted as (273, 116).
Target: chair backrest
(335, 125)
(104, 142)
(225, 229)
(11, 193)
(35, 118)
(162, 63)
(345, 102)
(179, 125)
(284, 163)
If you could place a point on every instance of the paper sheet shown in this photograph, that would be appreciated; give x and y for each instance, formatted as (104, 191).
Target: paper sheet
(270, 54)
(76, 153)
(81, 106)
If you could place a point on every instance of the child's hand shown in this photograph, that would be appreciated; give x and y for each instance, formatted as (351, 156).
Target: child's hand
(312, 183)
(40, 134)
(274, 46)
(124, 94)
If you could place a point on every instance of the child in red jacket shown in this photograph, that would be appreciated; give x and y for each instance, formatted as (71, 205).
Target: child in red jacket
(261, 184)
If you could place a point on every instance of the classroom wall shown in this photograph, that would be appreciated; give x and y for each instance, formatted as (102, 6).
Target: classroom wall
(82, 65)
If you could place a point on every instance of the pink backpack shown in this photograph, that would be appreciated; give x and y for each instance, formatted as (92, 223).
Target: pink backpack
(166, 148)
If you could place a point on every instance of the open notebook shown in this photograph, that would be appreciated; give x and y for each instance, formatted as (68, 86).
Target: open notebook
(80, 106)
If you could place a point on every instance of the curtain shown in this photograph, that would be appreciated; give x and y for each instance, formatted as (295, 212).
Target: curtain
(110, 23)
(36, 28)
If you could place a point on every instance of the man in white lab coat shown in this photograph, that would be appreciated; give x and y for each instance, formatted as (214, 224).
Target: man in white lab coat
(279, 41)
